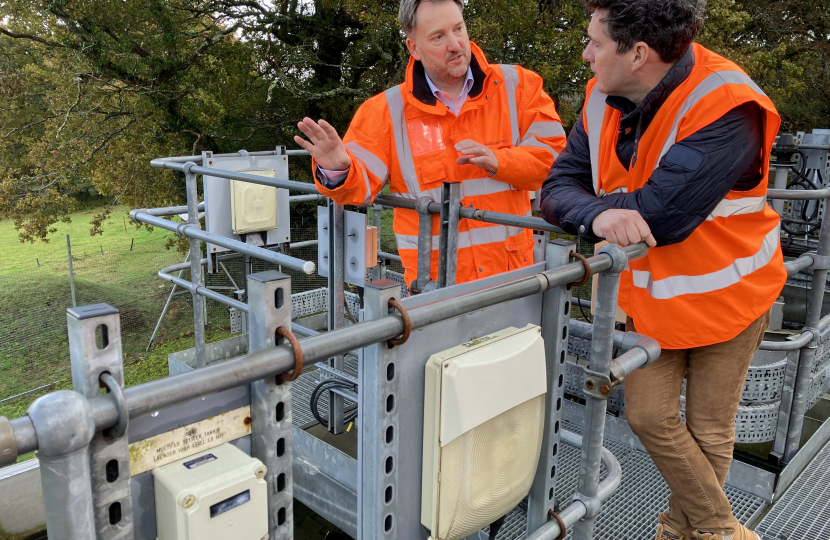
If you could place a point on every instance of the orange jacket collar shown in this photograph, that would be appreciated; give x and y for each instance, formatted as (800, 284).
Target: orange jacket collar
(417, 90)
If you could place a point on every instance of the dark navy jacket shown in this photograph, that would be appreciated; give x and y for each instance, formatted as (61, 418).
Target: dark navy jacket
(692, 178)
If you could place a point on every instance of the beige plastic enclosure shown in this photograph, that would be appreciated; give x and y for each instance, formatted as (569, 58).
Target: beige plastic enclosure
(254, 207)
(484, 412)
(213, 495)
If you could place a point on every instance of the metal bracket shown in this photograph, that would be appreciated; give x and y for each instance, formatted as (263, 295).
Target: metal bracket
(820, 262)
(592, 505)
(95, 364)
(597, 385)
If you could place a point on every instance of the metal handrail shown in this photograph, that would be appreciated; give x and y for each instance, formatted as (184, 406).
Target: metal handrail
(191, 231)
(577, 509)
(163, 393)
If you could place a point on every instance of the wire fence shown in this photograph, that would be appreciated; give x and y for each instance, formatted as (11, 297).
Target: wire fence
(34, 350)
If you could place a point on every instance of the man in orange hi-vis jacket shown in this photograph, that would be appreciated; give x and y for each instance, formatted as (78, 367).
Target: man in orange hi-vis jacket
(455, 118)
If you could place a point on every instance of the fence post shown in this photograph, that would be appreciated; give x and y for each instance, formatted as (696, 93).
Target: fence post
(195, 264)
(64, 426)
(71, 272)
(378, 424)
(269, 298)
(556, 305)
(109, 453)
(597, 390)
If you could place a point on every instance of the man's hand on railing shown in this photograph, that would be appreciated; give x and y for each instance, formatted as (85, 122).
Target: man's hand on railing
(623, 227)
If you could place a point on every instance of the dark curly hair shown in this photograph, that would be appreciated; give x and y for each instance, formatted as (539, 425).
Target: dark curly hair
(667, 26)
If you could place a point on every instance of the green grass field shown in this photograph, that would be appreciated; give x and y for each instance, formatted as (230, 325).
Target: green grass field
(34, 297)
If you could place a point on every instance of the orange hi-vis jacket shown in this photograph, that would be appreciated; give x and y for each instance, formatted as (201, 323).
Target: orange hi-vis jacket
(406, 137)
(710, 287)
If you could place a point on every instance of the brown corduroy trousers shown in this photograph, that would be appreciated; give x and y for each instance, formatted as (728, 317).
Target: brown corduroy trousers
(694, 457)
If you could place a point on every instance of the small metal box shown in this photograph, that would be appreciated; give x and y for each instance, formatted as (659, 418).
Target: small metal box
(213, 495)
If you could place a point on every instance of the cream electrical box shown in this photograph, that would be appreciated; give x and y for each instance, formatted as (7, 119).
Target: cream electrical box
(254, 207)
(214, 495)
(484, 411)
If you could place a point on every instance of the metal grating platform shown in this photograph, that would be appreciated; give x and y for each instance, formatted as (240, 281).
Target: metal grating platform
(804, 510)
(631, 513)
(301, 395)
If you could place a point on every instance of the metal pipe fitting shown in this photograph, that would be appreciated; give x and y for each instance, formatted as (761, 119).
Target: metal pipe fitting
(577, 510)
(619, 257)
(628, 362)
(592, 505)
(8, 445)
(797, 265)
(63, 421)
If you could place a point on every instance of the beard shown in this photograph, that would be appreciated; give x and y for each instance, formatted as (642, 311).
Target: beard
(441, 73)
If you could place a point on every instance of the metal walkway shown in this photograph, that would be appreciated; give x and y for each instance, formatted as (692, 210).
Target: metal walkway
(803, 512)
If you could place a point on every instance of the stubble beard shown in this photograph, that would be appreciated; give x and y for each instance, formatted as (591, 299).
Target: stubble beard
(444, 75)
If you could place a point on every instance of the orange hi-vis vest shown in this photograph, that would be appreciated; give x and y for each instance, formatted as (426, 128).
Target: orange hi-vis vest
(710, 287)
(397, 139)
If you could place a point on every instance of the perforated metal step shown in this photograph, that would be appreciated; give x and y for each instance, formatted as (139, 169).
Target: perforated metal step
(804, 510)
(631, 513)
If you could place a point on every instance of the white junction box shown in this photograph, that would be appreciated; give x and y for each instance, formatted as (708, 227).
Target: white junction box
(214, 495)
(484, 413)
(254, 207)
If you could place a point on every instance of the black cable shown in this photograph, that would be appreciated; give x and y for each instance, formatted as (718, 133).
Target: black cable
(324, 386)
(802, 180)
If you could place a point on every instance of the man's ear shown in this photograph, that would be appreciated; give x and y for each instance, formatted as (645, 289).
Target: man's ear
(641, 55)
(412, 45)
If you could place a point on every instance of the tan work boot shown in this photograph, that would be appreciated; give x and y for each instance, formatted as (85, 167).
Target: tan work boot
(742, 533)
(664, 532)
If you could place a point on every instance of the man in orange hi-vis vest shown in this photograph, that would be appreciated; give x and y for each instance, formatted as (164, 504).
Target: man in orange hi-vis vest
(672, 148)
(455, 118)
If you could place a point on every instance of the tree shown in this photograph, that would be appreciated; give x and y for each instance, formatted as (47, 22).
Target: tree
(92, 90)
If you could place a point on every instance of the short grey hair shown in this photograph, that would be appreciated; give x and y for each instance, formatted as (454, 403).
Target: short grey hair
(408, 8)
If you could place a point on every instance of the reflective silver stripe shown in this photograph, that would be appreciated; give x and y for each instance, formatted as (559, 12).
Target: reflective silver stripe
(394, 100)
(476, 187)
(368, 198)
(594, 114)
(511, 83)
(476, 237)
(544, 130)
(706, 86)
(539, 144)
(735, 207)
(373, 163)
(671, 287)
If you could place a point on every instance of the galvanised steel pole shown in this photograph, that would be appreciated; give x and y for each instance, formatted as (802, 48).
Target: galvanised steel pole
(195, 264)
(337, 300)
(597, 389)
(808, 354)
